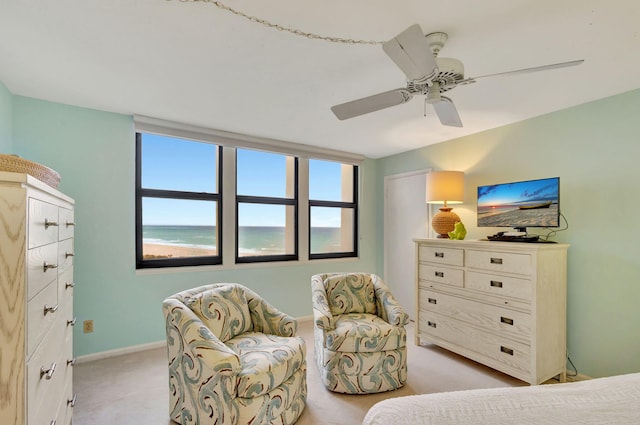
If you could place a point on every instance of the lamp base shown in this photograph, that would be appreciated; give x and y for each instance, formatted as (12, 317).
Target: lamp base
(444, 222)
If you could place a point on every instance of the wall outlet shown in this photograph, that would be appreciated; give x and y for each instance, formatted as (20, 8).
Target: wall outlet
(87, 326)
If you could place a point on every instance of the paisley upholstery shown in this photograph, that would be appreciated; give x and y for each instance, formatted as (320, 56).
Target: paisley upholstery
(359, 335)
(233, 358)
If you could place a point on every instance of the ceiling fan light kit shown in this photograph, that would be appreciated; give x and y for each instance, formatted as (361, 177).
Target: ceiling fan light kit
(427, 75)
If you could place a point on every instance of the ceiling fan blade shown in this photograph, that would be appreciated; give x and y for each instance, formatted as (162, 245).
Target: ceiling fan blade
(371, 103)
(410, 51)
(447, 112)
(525, 70)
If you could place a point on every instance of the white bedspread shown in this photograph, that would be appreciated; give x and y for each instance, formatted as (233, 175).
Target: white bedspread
(611, 401)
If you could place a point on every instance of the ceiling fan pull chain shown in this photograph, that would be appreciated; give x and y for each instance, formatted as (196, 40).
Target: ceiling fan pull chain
(279, 27)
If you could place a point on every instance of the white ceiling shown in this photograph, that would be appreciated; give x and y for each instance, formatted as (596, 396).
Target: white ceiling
(197, 64)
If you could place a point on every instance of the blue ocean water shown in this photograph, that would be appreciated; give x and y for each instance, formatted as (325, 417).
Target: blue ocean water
(253, 240)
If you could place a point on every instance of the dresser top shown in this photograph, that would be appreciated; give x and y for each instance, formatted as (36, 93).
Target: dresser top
(497, 245)
(9, 178)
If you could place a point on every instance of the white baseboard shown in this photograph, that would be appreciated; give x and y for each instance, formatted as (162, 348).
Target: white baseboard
(143, 347)
(578, 377)
(120, 351)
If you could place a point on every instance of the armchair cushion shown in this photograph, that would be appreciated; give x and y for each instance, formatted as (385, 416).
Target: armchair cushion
(364, 333)
(267, 361)
(224, 310)
(350, 293)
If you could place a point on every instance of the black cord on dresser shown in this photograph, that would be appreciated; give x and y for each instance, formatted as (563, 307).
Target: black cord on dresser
(553, 232)
(575, 369)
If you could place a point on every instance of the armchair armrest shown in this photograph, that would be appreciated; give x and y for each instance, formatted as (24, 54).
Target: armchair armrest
(268, 319)
(321, 311)
(187, 333)
(388, 308)
(202, 370)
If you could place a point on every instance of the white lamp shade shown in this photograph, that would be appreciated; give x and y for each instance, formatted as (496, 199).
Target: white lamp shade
(445, 187)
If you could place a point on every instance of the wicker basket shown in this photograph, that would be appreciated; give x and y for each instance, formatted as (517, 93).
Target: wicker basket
(15, 164)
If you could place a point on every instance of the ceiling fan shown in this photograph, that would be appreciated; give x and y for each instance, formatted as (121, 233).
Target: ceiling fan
(427, 74)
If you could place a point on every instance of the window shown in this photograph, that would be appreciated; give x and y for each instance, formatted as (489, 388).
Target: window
(178, 202)
(208, 197)
(266, 206)
(332, 209)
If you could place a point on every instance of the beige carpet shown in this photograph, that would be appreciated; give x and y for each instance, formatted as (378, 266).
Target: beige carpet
(132, 389)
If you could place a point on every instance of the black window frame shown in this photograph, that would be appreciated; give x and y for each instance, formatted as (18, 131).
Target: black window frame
(141, 193)
(269, 200)
(338, 204)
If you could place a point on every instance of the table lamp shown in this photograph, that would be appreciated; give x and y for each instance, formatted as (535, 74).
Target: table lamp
(445, 187)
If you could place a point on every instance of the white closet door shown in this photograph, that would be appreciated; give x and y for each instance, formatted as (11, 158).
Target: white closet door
(406, 216)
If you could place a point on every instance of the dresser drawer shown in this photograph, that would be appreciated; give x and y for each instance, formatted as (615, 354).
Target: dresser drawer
(65, 414)
(65, 254)
(42, 264)
(486, 345)
(66, 223)
(449, 256)
(490, 317)
(44, 394)
(505, 286)
(42, 311)
(65, 288)
(43, 223)
(507, 262)
(439, 274)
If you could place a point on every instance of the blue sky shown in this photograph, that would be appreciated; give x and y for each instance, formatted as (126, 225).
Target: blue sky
(175, 164)
(509, 193)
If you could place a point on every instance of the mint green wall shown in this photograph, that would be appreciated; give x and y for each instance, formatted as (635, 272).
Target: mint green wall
(595, 149)
(94, 153)
(6, 120)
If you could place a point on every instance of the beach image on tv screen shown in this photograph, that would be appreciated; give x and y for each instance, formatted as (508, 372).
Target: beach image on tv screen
(531, 203)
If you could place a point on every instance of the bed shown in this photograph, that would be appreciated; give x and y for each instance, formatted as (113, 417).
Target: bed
(611, 401)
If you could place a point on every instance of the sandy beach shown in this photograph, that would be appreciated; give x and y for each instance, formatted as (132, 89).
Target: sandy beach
(543, 217)
(172, 251)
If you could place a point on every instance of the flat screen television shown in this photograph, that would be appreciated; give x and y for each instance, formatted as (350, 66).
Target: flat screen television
(531, 203)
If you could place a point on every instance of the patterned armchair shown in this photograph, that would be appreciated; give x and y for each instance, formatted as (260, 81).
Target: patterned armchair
(360, 340)
(233, 358)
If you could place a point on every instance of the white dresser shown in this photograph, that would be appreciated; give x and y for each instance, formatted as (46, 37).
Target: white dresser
(36, 304)
(502, 304)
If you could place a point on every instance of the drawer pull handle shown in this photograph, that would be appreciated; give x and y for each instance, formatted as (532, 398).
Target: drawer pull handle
(506, 350)
(71, 362)
(70, 223)
(439, 274)
(48, 373)
(496, 260)
(53, 422)
(431, 324)
(496, 284)
(506, 320)
(46, 266)
(48, 223)
(72, 402)
(72, 322)
(69, 285)
(439, 254)
(433, 301)
(48, 309)
(69, 254)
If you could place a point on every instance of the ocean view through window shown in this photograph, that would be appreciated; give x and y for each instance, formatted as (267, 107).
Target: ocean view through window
(180, 199)
(178, 202)
(333, 194)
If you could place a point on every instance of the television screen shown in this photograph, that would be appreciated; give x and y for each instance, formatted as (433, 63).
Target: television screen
(532, 203)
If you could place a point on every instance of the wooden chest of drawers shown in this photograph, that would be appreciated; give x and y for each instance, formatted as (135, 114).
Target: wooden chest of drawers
(502, 304)
(36, 306)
